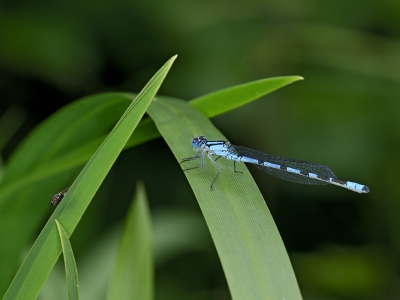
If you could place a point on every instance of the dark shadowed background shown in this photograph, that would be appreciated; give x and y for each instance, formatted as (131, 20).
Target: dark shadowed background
(345, 115)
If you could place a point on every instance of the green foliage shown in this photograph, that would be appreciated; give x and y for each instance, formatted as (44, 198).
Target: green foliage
(48, 158)
(344, 115)
(44, 253)
(51, 151)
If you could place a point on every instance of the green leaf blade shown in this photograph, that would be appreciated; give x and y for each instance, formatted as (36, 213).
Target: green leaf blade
(71, 271)
(222, 101)
(44, 253)
(133, 274)
(251, 250)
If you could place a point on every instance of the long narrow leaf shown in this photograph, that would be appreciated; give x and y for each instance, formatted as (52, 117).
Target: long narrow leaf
(219, 102)
(133, 273)
(44, 253)
(251, 250)
(71, 271)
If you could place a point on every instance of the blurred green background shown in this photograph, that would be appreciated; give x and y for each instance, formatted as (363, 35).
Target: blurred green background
(345, 115)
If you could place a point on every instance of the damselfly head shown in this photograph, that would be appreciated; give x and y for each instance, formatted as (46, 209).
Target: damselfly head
(196, 142)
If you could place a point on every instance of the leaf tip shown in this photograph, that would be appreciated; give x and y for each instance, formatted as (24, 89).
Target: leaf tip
(172, 59)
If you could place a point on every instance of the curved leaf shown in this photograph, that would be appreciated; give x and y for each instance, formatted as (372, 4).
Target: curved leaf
(71, 271)
(251, 250)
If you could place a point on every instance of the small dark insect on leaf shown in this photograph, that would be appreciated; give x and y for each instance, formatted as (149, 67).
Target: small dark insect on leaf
(59, 196)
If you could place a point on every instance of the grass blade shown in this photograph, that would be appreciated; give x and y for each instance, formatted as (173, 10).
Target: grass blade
(44, 253)
(71, 271)
(222, 101)
(251, 250)
(133, 273)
